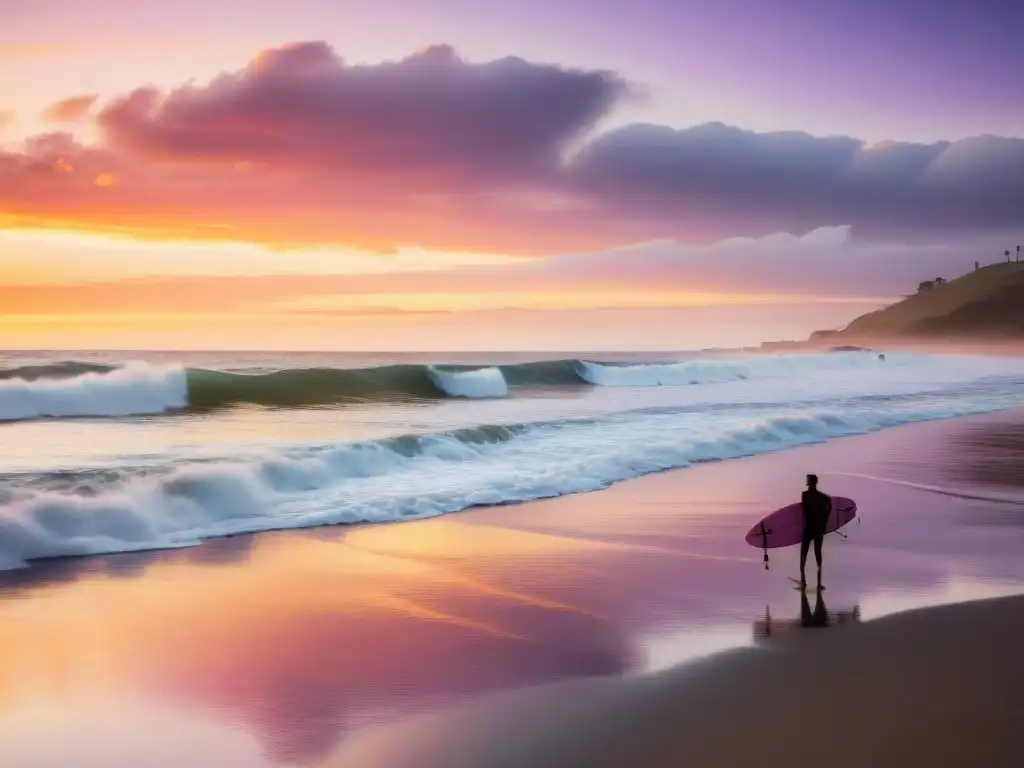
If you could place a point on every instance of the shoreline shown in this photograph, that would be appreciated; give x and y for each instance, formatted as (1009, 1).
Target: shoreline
(311, 640)
(938, 686)
(156, 551)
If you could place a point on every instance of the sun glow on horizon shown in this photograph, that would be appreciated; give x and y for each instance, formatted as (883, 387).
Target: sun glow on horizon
(35, 255)
(72, 289)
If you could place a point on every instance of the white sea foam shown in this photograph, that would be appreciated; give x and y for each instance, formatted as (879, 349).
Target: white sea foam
(134, 389)
(415, 477)
(714, 370)
(480, 382)
(140, 388)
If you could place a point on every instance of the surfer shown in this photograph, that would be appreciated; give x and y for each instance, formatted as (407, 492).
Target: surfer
(816, 507)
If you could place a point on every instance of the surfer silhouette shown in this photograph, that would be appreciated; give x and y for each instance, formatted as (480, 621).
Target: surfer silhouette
(816, 507)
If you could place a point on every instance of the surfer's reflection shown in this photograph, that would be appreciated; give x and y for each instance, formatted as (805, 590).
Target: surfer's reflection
(818, 617)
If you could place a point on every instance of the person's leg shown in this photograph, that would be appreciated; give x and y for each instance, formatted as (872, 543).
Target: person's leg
(818, 541)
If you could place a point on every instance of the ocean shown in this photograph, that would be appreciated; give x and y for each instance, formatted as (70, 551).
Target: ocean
(118, 452)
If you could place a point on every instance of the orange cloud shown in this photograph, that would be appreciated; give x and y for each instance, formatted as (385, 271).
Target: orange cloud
(299, 149)
(26, 50)
(102, 46)
(61, 165)
(70, 110)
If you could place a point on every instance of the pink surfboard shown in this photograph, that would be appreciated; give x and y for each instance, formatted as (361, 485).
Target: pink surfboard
(785, 527)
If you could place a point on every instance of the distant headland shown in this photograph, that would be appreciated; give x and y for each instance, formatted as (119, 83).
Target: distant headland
(984, 306)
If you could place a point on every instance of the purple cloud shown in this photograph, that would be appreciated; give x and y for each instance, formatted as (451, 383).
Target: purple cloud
(428, 113)
(300, 147)
(720, 181)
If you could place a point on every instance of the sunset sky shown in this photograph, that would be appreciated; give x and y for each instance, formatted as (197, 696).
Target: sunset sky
(495, 174)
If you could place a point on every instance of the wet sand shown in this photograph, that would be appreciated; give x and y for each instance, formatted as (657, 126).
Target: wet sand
(933, 687)
(329, 647)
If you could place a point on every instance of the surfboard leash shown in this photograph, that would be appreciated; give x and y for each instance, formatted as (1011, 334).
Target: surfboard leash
(764, 541)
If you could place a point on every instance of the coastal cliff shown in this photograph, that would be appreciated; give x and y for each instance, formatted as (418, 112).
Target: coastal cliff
(982, 306)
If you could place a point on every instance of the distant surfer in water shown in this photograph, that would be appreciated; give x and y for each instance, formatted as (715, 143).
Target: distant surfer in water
(817, 507)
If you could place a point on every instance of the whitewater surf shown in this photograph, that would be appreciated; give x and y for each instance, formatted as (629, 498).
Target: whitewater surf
(80, 389)
(93, 464)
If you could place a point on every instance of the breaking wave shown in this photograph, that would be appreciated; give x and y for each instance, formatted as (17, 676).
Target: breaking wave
(410, 476)
(73, 389)
(136, 388)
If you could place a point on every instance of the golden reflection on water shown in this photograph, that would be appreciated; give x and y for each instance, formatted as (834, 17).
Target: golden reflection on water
(222, 633)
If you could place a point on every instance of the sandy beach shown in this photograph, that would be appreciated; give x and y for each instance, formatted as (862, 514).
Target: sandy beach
(931, 687)
(630, 626)
(395, 384)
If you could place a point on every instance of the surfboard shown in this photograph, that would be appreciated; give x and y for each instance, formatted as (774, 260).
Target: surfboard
(785, 527)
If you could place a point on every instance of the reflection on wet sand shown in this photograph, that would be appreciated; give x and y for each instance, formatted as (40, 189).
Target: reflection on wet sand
(301, 639)
(890, 693)
(312, 637)
(818, 617)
